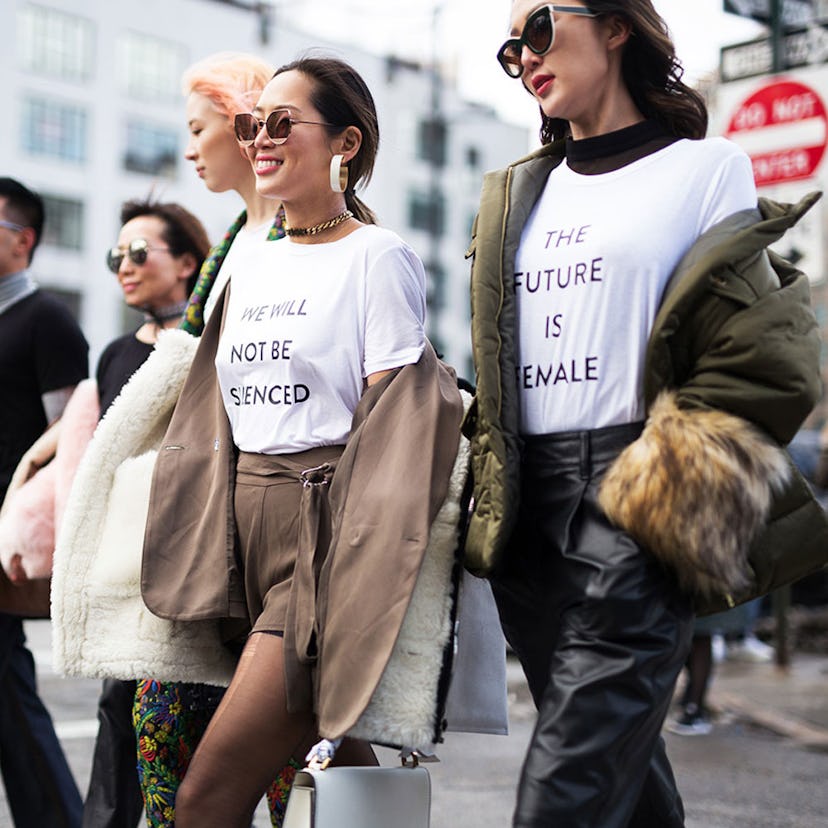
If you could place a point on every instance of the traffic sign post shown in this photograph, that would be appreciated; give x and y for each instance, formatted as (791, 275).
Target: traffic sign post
(783, 127)
(803, 244)
(791, 13)
(804, 47)
(778, 52)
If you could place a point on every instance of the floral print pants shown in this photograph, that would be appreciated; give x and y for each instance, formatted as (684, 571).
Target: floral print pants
(170, 718)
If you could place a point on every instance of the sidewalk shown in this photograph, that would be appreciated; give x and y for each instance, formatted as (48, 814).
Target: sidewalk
(738, 777)
(792, 702)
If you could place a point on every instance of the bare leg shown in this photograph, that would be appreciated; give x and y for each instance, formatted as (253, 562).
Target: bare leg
(249, 739)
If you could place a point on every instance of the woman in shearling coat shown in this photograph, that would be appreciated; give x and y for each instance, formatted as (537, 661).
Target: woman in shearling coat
(624, 258)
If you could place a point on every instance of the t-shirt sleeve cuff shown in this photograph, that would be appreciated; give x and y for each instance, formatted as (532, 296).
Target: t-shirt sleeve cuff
(395, 360)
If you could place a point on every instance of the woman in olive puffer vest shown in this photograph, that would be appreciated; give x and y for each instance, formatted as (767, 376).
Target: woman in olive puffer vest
(640, 358)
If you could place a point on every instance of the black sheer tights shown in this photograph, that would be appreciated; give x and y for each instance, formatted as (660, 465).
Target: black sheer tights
(699, 670)
(249, 739)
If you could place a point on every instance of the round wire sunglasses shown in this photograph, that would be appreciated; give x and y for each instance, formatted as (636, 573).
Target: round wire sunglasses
(278, 126)
(538, 36)
(137, 251)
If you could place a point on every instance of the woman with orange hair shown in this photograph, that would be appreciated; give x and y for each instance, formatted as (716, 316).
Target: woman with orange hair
(217, 88)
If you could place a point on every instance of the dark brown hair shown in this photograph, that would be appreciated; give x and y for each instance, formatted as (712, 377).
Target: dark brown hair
(651, 72)
(342, 98)
(23, 206)
(183, 232)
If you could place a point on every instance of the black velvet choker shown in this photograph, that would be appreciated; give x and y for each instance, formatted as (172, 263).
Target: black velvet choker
(165, 314)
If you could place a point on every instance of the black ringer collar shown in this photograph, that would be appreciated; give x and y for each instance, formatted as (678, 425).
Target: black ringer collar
(613, 150)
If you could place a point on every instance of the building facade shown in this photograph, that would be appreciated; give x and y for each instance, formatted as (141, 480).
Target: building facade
(94, 115)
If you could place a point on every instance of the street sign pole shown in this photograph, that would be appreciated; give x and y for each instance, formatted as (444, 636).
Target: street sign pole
(777, 35)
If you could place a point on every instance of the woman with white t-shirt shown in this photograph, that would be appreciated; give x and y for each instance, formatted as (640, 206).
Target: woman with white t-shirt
(216, 88)
(640, 358)
(320, 337)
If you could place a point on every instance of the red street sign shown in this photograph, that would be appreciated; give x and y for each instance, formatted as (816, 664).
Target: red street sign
(782, 127)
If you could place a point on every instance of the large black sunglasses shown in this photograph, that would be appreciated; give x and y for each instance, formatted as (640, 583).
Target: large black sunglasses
(137, 251)
(278, 125)
(538, 36)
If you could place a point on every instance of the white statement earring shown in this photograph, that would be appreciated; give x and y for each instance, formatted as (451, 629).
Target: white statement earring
(339, 174)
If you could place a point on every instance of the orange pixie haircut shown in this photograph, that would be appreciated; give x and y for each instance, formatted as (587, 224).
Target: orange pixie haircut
(233, 81)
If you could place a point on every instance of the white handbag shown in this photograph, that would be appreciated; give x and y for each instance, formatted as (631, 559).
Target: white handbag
(360, 797)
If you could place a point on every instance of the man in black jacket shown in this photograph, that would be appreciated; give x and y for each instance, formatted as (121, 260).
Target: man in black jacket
(43, 355)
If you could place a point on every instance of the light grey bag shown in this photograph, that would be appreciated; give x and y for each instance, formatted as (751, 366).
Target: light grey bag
(361, 797)
(477, 700)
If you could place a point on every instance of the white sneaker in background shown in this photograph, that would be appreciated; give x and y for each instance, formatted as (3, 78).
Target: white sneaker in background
(750, 649)
(692, 722)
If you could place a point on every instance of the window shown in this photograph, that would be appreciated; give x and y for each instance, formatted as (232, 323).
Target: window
(431, 141)
(435, 287)
(427, 212)
(472, 158)
(151, 150)
(53, 43)
(151, 68)
(53, 129)
(64, 222)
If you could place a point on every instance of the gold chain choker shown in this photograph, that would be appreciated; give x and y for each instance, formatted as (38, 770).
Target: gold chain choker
(318, 228)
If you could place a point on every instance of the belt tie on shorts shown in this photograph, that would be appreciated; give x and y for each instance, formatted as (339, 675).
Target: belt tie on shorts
(301, 627)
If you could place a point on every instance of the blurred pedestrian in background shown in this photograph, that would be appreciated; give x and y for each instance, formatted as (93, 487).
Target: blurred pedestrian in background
(160, 249)
(43, 356)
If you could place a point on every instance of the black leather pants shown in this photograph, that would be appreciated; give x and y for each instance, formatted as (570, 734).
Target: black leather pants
(602, 634)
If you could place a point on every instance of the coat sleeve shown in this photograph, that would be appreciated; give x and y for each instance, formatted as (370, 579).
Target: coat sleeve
(756, 357)
(746, 374)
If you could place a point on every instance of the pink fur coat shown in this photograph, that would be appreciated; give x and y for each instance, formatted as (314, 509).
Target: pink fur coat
(33, 512)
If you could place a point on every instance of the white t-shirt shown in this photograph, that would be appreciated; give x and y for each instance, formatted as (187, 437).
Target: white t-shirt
(306, 323)
(594, 259)
(246, 238)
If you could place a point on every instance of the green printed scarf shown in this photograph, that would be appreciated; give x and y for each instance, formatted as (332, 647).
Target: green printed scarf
(193, 319)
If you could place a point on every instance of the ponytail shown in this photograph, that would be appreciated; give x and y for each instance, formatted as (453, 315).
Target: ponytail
(358, 207)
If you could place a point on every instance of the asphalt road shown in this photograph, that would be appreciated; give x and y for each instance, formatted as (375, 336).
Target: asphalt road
(739, 776)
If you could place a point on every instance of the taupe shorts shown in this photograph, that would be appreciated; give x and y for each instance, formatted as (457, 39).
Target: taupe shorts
(267, 501)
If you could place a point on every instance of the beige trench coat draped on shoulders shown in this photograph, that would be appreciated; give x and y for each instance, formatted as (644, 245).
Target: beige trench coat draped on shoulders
(389, 484)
